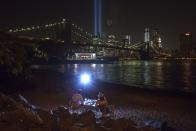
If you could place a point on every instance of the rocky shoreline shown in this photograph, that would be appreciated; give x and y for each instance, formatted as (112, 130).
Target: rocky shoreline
(16, 114)
(50, 89)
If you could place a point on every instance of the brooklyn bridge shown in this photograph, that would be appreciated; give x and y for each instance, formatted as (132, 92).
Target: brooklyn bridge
(75, 39)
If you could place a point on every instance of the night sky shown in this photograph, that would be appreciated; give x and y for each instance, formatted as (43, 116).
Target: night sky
(119, 16)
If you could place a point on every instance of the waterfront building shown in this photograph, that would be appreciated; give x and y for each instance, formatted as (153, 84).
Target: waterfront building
(85, 56)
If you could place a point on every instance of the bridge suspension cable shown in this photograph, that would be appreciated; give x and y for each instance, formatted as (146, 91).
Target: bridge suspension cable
(37, 27)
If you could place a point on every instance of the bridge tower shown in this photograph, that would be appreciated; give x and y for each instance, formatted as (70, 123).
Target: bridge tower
(64, 31)
(65, 34)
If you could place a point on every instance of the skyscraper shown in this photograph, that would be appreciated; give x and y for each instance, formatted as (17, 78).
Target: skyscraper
(186, 44)
(128, 39)
(147, 35)
(156, 39)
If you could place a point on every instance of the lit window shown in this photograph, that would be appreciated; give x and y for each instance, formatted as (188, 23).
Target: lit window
(187, 34)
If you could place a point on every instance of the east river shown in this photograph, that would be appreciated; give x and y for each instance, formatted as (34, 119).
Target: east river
(166, 75)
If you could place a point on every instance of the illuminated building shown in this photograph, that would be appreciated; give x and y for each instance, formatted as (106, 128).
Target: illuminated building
(186, 44)
(157, 41)
(85, 56)
(111, 40)
(128, 39)
(147, 35)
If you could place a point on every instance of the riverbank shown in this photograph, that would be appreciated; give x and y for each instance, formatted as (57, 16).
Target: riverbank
(51, 89)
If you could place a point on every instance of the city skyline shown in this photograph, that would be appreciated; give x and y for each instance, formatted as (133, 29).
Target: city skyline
(119, 17)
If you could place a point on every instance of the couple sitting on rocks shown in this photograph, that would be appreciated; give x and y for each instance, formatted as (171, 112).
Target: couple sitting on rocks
(101, 102)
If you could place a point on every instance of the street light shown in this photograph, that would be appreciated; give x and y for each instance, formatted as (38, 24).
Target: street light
(85, 79)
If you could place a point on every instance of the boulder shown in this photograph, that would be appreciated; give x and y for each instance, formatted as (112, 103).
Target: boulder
(17, 116)
(148, 129)
(75, 117)
(120, 125)
(22, 100)
(87, 118)
(48, 119)
(109, 123)
(8, 127)
(7, 103)
(129, 125)
(21, 118)
(63, 118)
(64, 124)
(38, 129)
(101, 128)
(61, 112)
(156, 124)
(82, 128)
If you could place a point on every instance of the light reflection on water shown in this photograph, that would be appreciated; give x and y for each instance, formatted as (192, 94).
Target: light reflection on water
(147, 74)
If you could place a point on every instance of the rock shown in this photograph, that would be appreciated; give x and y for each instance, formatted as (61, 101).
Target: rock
(171, 129)
(148, 129)
(48, 119)
(21, 118)
(63, 118)
(120, 125)
(101, 128)
(64, 124)
(38, 129)
(61, 112)
(33, 118)
(17, 116)
(87, 118)
(20, 99)
(8, 127)
(84, 128)
(75, 117)
(7, 103)
(129, 124)
(109, 123)
(156, 124)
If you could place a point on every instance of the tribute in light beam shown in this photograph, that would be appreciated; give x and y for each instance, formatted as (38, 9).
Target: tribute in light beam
(97, 17)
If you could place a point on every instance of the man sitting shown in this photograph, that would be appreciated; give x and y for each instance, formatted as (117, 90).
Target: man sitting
(102, 103)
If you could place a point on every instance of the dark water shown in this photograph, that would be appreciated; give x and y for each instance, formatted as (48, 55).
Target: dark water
(175, 75)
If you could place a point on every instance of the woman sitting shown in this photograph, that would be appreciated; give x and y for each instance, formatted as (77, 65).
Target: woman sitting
(77, 101)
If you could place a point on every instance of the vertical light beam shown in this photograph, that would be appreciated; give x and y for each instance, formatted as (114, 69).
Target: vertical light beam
(97, 18)
(100, 18)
